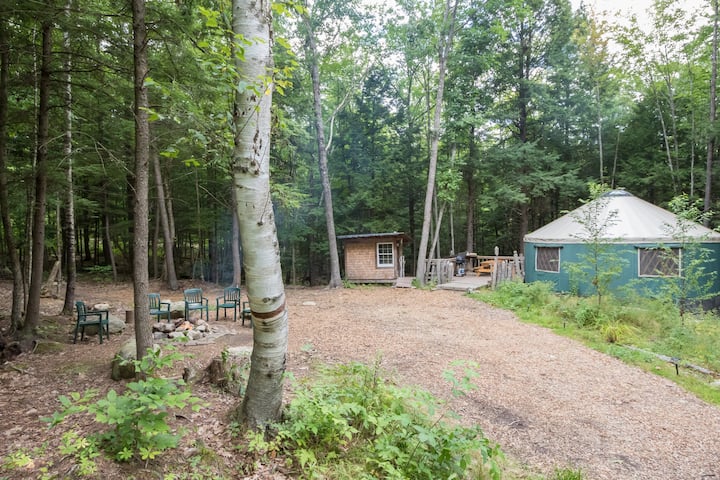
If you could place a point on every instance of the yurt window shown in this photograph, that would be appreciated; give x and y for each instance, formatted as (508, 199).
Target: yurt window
(659, 262)
(547, 259)
(385, 257)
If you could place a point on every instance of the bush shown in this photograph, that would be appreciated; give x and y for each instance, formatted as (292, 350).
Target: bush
(355, 424)
(138, 417)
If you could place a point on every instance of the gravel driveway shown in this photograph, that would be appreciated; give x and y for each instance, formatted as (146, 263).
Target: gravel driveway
(547, 400)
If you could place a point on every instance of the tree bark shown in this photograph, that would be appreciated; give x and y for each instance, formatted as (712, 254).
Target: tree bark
(444, 51)
(32, 317)
(69, 219)
(11, 245)
(235, 247)
(707, 206)
(312, 58)
(143, 332)
(262, 402)
(168, 241)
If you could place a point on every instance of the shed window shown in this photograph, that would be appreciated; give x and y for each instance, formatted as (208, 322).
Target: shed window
(659, 262)
(385, 255)
(547, 259)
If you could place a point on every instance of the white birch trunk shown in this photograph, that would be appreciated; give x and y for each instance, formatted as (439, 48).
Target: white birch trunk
(256, 221)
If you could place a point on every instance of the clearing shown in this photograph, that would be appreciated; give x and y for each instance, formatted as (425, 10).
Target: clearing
(547, 400)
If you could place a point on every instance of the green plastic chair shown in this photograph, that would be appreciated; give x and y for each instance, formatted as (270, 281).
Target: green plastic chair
(92, 317)
(158, 308)
(229, 299)
(246, 313)
(194, 300)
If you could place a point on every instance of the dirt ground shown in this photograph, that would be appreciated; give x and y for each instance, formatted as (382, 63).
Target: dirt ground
(548, 401)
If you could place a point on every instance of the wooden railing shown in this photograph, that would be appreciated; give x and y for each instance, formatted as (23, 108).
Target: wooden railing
(440, 270)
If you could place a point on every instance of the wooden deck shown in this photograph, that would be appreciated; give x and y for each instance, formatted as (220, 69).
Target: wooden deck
(462, 284)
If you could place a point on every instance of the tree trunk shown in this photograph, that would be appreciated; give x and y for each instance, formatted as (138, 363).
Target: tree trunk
(69, 219)
(32, 317)
(168, 241)
(712, 119)
(470, 182)
(143, 332)
(444, 51)
(235, 247)
(17, 292)
(262, 402)
(107, 242)
(312, 58)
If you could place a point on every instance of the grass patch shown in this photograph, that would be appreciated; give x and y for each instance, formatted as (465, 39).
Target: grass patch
(613, 326)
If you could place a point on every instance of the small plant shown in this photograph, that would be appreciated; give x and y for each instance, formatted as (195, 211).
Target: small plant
(83, 450)
(17, 460)
(587, 315)
(354, 421)
(138, 417)
(615, 331)
(567, 474)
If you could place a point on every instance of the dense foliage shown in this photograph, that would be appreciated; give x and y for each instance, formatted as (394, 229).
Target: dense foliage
(540, 99)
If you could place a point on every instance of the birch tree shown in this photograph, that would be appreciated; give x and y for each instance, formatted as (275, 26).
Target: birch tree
(445, 44)
(251, 25)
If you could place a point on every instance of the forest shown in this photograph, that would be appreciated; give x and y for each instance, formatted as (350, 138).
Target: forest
(508, 108)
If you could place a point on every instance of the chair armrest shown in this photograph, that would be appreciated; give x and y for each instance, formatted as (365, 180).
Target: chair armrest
(165, 303)
(98, 313)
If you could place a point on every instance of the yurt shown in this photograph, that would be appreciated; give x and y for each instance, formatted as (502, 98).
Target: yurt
(647, 244)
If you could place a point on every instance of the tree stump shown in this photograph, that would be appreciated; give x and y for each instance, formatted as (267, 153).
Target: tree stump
(229, 370)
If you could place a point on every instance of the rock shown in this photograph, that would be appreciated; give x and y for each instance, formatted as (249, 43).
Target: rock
(309, 304)
(46, 346)
(176, 335)
(186, 325)
(101, 306)
(116, 324)
(159, 336)
(177, 309)
(122, 366)
(163, 327)
(194, 334)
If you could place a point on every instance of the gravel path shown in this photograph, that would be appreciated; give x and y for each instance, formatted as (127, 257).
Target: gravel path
(547, 400)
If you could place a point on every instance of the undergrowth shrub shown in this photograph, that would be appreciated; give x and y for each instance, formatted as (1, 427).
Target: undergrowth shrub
(138, 417)
(350, 422)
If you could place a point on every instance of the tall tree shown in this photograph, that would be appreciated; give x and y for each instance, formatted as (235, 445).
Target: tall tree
(168, 241)
(15, 266)
(707, 205)
(311, 53)
(32, 317)
(69, 221)
(444, 47)
(252, 23)
(143, 332)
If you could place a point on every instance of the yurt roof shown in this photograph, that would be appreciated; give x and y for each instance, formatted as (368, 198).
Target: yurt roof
(630, 220)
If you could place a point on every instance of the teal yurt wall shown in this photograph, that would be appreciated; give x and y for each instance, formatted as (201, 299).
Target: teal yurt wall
(630, 234)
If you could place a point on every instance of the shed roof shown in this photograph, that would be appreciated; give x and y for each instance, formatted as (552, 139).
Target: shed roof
(374, 235)
(635, 221)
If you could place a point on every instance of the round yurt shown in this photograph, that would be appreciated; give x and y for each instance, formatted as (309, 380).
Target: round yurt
(641, 244)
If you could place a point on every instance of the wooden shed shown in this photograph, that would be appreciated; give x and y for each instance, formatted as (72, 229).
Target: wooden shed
(374, 257)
